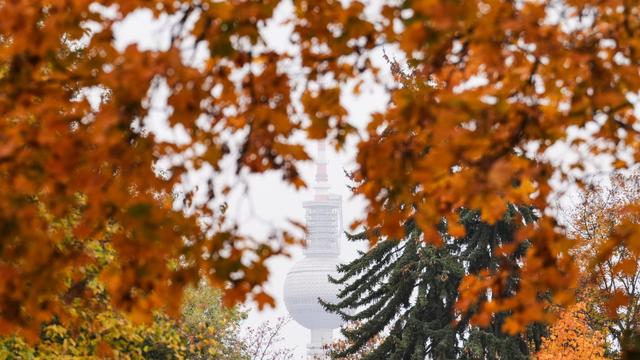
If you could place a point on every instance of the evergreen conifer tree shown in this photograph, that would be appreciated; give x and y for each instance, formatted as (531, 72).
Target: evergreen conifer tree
(405, 290)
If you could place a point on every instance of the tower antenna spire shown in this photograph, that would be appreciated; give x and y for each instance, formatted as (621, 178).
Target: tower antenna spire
(321, 186)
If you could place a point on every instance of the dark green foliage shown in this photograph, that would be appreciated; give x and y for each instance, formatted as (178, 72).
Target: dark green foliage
(405, 291)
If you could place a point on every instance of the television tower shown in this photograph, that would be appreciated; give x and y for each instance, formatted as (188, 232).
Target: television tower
(308, 279)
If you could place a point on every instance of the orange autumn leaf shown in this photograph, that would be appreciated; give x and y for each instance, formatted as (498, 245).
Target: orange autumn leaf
(264, 299)
(104, 351)
(604, 225)
(617, 300)
(456, 230)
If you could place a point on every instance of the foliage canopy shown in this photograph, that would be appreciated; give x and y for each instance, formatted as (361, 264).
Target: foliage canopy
(205, 330)
(491, 87)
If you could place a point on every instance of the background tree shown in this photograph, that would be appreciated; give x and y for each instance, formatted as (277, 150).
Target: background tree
(405, 293)
(571, 337)
(205, 330)
(265, 342)
(208, 329)
(616, 277)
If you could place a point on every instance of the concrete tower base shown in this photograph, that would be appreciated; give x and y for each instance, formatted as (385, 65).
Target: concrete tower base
(319, 339)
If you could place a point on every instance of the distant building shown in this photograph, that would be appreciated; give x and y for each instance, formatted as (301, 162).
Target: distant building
(307, 281)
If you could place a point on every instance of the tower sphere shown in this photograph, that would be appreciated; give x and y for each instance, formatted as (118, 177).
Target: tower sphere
(305, 284)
